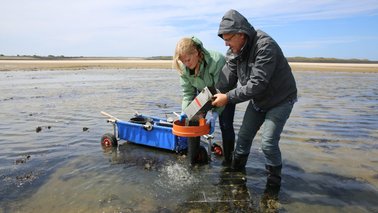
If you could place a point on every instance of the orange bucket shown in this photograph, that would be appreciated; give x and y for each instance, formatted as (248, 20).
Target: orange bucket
(180, 129)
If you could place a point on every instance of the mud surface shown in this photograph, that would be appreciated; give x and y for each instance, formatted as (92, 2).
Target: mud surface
(52, 161)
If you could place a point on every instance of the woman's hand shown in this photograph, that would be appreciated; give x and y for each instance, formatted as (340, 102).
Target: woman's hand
(220, 99)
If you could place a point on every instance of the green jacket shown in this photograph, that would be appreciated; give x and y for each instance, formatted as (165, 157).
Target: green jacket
(210, 68)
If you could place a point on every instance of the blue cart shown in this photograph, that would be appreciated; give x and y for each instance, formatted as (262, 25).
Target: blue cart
(144, 130)
(157, 133)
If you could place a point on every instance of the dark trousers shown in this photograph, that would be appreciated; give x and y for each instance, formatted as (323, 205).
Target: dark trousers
(226, 123)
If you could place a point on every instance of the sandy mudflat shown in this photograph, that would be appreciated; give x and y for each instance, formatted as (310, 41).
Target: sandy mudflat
(52, 160)
(13, 65)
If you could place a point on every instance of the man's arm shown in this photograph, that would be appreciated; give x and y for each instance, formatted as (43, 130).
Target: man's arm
(227, 77)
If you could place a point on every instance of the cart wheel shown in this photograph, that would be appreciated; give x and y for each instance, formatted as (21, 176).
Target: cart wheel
(109, 140)
(217, 150)
(202, 157)
(197, 153)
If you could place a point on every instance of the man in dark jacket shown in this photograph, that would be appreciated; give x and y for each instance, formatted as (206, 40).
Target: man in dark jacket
(258, 72)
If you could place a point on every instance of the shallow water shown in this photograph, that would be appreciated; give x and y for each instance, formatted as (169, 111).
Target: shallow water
(51, 159)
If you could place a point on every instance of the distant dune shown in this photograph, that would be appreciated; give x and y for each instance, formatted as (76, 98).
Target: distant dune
(137, 63)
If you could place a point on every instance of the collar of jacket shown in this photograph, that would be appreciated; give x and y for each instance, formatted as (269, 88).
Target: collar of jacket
(248, 48)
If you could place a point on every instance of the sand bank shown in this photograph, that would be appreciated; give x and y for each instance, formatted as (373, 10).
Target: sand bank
(14, 65)
(341, 67)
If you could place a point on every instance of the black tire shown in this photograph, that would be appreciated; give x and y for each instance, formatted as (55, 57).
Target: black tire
(197, 154)
(109, 140)
(202, 157)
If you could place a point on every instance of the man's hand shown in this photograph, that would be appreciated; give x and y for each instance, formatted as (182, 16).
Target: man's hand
(220, 99)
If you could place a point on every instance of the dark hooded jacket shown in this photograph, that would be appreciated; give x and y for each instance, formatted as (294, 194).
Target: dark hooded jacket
(261, 68)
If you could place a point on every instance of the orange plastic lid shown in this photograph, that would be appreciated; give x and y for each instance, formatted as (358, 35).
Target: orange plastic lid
(180, 129)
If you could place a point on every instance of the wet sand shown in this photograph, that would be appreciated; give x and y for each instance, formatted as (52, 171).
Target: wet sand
(15, 65)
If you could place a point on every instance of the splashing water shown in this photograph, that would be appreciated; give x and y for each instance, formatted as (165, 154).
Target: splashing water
(177, 177)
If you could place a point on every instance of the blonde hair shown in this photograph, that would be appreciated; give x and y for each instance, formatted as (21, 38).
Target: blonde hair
(186, 46)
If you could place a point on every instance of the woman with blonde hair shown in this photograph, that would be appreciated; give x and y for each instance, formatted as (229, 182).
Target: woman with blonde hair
(200, 68)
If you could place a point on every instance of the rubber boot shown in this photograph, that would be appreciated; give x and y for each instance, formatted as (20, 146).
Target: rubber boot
(228, 148)
(269, 201)
(273, 183)
(238, 162)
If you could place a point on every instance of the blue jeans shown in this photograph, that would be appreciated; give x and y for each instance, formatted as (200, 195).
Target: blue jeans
(274, 121)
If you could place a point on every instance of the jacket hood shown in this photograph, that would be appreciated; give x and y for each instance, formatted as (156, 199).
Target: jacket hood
(197, 41)
(234, 22)
(200, 45)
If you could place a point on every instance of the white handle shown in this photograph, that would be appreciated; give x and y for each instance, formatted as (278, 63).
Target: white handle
(108, 115)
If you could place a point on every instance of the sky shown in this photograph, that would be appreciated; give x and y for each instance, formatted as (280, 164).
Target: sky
(342, 29)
